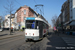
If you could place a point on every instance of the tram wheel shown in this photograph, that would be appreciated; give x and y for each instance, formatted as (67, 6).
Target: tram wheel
(26, 40)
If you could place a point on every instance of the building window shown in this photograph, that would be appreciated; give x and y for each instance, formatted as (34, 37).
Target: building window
(24, 19)
(6, 23)
(24, 11)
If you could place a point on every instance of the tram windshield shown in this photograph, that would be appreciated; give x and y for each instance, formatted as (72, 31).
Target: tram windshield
(30, 24)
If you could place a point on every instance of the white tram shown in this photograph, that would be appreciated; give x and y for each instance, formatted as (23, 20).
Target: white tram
(35, 28)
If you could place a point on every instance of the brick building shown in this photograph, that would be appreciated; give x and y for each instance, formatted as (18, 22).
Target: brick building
(22, 12)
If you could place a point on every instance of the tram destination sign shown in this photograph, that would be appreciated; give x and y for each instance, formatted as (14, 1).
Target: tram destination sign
(30, 18)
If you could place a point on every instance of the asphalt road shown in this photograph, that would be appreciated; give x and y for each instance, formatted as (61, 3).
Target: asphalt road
(51, 42)
(11, 43)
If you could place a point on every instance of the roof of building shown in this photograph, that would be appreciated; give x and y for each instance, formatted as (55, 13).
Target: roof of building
(25, 6)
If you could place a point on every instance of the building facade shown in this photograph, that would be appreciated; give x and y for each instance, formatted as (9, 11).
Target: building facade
(67, 15)
(22, 12)
(7, 21)
(72, 9)
(65, 12)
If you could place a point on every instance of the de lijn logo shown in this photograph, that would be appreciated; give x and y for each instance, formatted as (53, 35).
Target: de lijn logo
(30, 18)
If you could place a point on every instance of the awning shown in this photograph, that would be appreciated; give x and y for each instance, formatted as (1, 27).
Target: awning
(72, 23)
(66, 23)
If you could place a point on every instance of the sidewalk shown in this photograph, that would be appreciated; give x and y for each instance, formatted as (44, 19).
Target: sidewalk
(55, 42)
(69, 39)
(60, 42)
(6, 34)
(64, 35)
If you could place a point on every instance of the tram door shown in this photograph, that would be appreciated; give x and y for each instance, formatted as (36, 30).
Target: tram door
(40, 29)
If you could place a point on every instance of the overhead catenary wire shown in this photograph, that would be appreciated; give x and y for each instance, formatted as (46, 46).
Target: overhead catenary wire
(42, 12)
(17, 2)
(34, 7)
(35, 2)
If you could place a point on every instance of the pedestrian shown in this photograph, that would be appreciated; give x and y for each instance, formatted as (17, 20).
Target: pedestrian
(23, 28)
(11, 29)
(58, 31)
(55, 30)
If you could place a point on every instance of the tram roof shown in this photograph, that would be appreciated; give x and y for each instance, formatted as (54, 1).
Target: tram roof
(36, 18)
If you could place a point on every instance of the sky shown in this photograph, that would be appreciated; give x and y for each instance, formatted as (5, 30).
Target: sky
(50, 8)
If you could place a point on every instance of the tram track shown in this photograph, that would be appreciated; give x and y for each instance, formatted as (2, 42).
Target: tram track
(25, 46)
(30, 45)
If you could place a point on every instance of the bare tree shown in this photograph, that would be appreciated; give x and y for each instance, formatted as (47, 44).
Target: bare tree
(9, 9)
(1, 21)
(54, 19)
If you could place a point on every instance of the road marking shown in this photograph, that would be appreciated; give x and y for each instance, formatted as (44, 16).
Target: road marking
(9, 41)
(10, 36)
(69, 41)
(71, 44)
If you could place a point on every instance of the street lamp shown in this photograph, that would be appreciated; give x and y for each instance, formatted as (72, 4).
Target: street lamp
(10, 24)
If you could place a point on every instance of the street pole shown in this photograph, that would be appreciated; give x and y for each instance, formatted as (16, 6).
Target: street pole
(10, 23)
(20, 22)
(62, 28)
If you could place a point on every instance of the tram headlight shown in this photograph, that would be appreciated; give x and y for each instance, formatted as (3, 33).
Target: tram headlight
(33, 33)
(26, 33)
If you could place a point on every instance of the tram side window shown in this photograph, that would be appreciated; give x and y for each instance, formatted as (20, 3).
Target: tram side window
(44, 25)
(40, 25)
(37, 26)
(30, 24)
